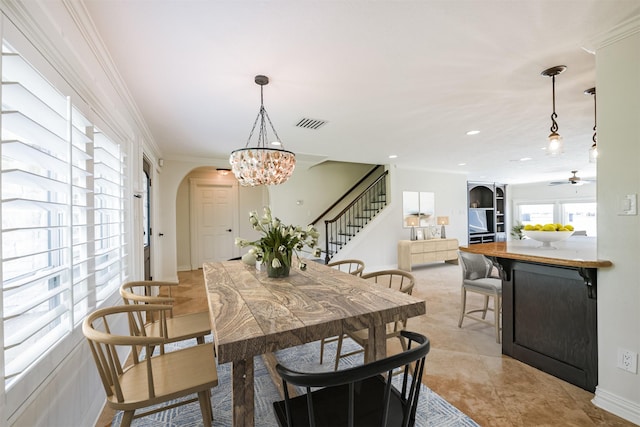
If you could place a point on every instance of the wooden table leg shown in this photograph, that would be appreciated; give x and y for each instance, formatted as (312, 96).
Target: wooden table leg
(377, 343)
(242, 394)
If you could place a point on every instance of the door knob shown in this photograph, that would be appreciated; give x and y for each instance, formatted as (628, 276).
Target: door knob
(229, 230)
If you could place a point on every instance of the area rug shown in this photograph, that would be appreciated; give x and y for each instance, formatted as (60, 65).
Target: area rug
(433, 410)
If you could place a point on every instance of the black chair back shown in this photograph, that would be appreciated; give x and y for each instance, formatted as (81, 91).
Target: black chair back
(359, 396)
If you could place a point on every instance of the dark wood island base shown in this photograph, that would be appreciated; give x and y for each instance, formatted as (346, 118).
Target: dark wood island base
(549, 306)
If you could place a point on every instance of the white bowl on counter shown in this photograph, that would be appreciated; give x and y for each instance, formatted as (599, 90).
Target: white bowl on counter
(547, 237)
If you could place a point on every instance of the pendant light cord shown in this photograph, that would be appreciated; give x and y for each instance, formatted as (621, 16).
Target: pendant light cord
(595, 117)
(554, 124)
(262, 133)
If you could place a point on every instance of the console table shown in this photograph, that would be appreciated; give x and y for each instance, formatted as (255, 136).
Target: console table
(412, 252)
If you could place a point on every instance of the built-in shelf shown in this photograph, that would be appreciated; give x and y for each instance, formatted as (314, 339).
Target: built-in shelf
(487, 212)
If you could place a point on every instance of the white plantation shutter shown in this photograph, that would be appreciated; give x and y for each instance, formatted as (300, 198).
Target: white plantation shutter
(35, 214)
(81, 214)
(108, 215)
(63, 240)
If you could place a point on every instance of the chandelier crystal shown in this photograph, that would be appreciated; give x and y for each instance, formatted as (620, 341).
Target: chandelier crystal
(262, 165)
(555, 140)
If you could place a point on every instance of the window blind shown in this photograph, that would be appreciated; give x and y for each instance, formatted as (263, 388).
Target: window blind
(63, 240)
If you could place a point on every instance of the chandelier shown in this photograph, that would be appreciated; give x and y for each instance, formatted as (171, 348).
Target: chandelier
(555, 140)
(593, 151)
(262, 165)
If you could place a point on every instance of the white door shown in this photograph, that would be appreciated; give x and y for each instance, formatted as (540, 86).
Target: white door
(212, 228)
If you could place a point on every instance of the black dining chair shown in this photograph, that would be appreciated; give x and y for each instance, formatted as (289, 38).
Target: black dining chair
(359, 396)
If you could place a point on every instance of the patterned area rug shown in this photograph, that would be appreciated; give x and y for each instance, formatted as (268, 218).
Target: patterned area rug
(433, 410)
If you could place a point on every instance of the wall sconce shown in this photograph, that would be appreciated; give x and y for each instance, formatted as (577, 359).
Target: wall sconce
(443, 220)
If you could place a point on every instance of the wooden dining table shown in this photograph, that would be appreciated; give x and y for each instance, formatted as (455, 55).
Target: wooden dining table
(252, 314)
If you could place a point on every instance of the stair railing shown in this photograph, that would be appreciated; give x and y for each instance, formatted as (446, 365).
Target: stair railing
(346, 194)
(346, 224)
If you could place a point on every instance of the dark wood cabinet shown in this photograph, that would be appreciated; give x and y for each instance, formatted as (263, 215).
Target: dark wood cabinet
(549, 316)
(487, 212)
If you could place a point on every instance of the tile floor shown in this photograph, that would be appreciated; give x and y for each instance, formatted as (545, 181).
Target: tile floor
(465, 365)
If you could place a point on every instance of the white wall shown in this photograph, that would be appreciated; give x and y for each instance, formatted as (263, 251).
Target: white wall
(173, 208)
(316, 186)
(376, 245)
(542, 192)
(618, 89)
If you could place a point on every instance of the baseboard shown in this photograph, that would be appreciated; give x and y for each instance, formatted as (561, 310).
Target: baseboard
(617, 405)
(184, 268)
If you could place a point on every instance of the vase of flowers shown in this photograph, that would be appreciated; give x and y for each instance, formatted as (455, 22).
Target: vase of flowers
(279, 243)
(278, 263)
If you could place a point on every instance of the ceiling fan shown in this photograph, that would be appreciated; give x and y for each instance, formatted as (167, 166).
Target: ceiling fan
(573, 180)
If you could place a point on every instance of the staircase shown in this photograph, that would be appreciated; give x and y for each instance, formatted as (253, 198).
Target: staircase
(356, 215)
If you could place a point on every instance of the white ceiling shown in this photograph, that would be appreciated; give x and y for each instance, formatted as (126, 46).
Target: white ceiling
(408, 78)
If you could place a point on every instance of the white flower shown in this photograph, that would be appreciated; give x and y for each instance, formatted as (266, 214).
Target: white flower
(279, 239)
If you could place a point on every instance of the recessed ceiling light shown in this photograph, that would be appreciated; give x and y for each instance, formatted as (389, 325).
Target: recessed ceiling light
(525, 159)
(473, 132)
(462, 164)
(393, 156)
(276, 143)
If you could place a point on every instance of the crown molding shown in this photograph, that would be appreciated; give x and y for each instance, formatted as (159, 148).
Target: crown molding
(625, 29)
(78, 13)
(53, 39)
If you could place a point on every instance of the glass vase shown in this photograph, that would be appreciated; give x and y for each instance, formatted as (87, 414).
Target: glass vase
(284, 259)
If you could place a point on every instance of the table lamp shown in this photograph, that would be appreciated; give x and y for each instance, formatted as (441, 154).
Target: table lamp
(412, 221)
(443, 220)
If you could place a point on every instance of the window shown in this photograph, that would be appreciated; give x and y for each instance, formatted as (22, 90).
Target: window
(535, 214)
(63, 240)
(581, 215)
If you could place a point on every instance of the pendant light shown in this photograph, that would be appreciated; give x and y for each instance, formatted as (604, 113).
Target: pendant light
(555, 140)
(262, 165)
(593, 151)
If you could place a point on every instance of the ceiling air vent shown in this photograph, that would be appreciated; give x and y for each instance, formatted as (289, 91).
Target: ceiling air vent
(310, 123)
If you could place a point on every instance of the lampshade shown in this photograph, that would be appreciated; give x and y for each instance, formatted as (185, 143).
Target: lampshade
(555, 140)
(442, 221)
(593, 153)
(262, 165)
(411, 221)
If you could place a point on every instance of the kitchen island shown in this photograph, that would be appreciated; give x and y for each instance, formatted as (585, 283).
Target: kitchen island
(549, 305)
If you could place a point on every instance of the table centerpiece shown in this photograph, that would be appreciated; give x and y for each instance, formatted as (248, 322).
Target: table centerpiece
(548, 233)
(279, 243)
